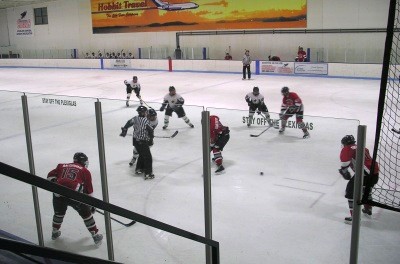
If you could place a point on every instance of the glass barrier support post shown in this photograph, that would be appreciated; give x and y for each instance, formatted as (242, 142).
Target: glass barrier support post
(32, 168)
(103, 172)
(205, 117)
(358, 185)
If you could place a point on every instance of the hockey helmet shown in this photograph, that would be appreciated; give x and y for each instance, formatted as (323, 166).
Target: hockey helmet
(141, 109)
(348, 140)
(171, 88)
(81, 158)
(256, 90)
(285, 90)
(134, 78)
(152, 112)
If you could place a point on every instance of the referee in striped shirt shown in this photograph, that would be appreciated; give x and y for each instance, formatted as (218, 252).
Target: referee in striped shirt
(143, 135)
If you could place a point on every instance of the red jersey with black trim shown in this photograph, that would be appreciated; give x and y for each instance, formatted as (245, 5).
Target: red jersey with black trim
(291, 99)
(216, 128)
(348, 159)
(73, 176)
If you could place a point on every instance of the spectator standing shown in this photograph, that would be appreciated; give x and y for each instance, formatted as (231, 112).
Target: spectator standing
(246, 65)
(301, 55)
(178, 53)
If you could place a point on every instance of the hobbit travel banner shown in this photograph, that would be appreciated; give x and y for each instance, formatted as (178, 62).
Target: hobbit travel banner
(122, 16)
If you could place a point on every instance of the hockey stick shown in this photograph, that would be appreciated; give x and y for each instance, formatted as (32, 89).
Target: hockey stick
(262, 132)
(261, 114)
(172, 136)
(122, 223)
(396, 130)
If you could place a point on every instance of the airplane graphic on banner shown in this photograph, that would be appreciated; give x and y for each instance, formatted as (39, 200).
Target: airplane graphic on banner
(174, 7)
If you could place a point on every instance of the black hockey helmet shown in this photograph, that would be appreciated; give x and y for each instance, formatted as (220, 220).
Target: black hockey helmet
(171, 88)
(134, 78)
(81, 158)
(141, 109)
(256, 90)
(152, 112)
(348, 140)
(285, 90)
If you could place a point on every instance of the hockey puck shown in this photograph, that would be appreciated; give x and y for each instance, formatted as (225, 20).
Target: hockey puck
(261, 173)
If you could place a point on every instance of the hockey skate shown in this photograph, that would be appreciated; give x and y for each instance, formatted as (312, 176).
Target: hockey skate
(133, 160)
(127, 103)
(220, 170)
(149, 176)
(139, 171)
(306, 134)
(281, 130)
(164, 127)
(348, 219)
(97, 238)
(191, 125)
(55, 234)
(367, 210)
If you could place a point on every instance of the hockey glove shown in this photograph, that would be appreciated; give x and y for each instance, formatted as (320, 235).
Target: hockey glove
(345, 173)
(162, 108)
(125, 82)
(93, 209)
(293, 109)
(123, 132)
(150, 142)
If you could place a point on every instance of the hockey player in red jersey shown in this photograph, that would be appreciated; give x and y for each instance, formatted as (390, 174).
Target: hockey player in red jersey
(219, 136)
(348, 159)
(77, 177)
(292, 105)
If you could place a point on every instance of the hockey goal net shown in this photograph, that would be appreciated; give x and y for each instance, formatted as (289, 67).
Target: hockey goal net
(386, 193)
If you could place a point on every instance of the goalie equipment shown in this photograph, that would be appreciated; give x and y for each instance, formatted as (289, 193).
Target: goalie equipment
(81, 158)
(345, 173)
(348, 140)
(123, 132)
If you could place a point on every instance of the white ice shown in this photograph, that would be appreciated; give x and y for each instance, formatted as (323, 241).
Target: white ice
(294, 213)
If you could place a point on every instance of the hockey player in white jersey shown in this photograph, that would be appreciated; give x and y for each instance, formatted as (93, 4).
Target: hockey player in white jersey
(152, 117)
(174, 103)
(133, 85)
(255, 101)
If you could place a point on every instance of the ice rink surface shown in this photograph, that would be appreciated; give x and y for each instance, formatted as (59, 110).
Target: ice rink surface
(293, 213)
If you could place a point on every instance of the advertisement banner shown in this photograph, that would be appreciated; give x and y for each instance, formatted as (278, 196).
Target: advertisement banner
(111, 16)
(311, 68)
(120, 63)
(24, 22)
(280, 67)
